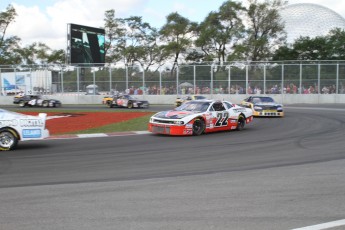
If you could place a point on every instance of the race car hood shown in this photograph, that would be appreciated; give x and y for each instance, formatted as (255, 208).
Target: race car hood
(173, 114)
(267, 104)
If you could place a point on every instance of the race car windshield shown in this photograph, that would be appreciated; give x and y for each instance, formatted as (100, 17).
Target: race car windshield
(194, 106)
(199, 97)
(263, 100)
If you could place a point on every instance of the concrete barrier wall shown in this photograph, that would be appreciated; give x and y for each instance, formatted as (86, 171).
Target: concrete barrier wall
(170, 99)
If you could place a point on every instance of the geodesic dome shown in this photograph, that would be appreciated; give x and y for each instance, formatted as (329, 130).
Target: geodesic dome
(308, 19)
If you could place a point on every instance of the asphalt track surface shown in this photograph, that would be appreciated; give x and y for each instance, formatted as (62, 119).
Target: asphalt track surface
(278, 173)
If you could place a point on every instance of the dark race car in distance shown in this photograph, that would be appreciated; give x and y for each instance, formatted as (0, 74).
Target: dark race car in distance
(127, 101)
(179, 101)
(22, 100)
(263, 106)
(36, 101)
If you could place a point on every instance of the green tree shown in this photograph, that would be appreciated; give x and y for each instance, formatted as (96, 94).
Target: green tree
(12, 53)
(265, 30)
(142, 46)
(220, 31)
(336, 44)
(311, 48)
(285, 53)
(115, 37)
(6, 18)
(8, 45)
(131, 40)
(177, 34)
(328, 47)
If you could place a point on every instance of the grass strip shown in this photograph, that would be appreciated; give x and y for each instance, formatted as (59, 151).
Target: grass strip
(136, 124)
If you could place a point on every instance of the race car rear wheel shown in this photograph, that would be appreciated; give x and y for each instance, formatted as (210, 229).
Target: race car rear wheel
(130, 105)
(45, 103)
(8, 139)
(241, 122)
(198, 127)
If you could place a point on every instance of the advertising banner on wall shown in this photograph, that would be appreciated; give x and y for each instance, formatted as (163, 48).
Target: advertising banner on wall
(25, 82)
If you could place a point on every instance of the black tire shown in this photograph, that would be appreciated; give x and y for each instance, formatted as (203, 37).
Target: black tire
(130, 105)
(45, 104)
(22, 103)
(8, 139)
(241, 121)
(109, 104)
(198, 127)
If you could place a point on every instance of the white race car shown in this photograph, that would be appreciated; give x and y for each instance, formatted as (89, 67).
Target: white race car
(200, 116)
(16, 127)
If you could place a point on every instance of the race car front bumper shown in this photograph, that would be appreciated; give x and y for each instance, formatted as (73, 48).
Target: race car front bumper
(266, 113)
(176, 130)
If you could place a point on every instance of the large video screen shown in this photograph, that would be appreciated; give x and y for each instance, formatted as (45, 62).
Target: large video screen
(86, 44)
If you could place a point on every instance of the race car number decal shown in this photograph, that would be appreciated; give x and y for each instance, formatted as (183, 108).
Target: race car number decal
(222, 119)
(32, 133)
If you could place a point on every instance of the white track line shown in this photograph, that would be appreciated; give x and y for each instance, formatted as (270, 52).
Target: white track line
(332, 224)
(92, 135)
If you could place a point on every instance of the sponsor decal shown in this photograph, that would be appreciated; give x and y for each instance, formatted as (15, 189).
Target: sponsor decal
(179, 114)
(240, 110)
(31, 122)
(208, 118)
(189, 125)
(4, 123)
(187, 131)
(31, 133)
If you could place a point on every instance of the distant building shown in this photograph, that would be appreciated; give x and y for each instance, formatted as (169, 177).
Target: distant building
(308, 19)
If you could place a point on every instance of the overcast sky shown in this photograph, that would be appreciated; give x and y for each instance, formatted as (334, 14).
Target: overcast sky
(46, 20)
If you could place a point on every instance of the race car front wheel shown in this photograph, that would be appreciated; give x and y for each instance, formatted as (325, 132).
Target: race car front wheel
(8, 139)
(22, 103)
(130, 105)
(109, 104)
(241, 122)
(198, 127)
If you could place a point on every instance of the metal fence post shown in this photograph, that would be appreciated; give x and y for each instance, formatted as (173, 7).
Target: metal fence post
(318, 78)
(194, 82)
(144, 82)
(247, 77)
(282, 83)
(160, 82)
(337, 80)
(126, 66)
(264, 79)
(177, 80)
(229, 79)
(300, 78)
(211, 83)
(110, 80)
